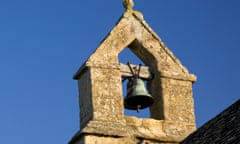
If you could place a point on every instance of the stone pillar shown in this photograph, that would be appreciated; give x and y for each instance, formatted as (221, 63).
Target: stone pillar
(100, 93)
(173, 100)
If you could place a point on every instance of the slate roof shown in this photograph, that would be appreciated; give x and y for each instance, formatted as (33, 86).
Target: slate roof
(222, 129)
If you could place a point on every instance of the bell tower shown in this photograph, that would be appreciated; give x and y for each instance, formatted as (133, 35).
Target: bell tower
(101, 102)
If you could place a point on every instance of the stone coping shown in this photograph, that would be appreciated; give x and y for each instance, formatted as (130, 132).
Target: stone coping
(166, 74)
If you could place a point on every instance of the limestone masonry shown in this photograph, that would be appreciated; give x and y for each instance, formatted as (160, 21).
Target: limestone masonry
(102, 119)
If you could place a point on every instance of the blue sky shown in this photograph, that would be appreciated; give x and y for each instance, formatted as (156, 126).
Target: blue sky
(43, 43)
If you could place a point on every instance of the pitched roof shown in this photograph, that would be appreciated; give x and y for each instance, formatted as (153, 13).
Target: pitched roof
(222, 129)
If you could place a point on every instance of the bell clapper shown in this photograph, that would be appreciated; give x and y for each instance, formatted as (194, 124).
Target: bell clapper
(138, 108)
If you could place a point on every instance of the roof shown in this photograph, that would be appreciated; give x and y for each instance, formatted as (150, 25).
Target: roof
(222, 129)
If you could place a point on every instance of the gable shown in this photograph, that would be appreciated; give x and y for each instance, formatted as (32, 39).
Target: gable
(133, 32)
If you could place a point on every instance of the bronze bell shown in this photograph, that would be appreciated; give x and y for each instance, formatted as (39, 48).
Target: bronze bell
(137, 96)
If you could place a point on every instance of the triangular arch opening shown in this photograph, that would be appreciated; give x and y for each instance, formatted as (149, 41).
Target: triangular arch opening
(124, 57)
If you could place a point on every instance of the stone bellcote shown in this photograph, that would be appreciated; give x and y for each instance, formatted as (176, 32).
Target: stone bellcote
(102, 118)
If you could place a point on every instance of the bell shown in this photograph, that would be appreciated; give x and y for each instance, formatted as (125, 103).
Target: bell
(137, 97)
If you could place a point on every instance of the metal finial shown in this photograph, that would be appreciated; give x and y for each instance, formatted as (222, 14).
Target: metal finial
(128, 5)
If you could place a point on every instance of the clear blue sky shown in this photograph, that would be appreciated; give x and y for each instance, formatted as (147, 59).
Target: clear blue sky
(44, 42)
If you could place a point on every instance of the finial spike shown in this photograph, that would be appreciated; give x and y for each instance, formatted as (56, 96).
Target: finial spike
(128, 5)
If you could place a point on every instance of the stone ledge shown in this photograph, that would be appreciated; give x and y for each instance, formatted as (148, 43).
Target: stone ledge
(160, 130)
(94, 65)
(145, 72)
(157, 130)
